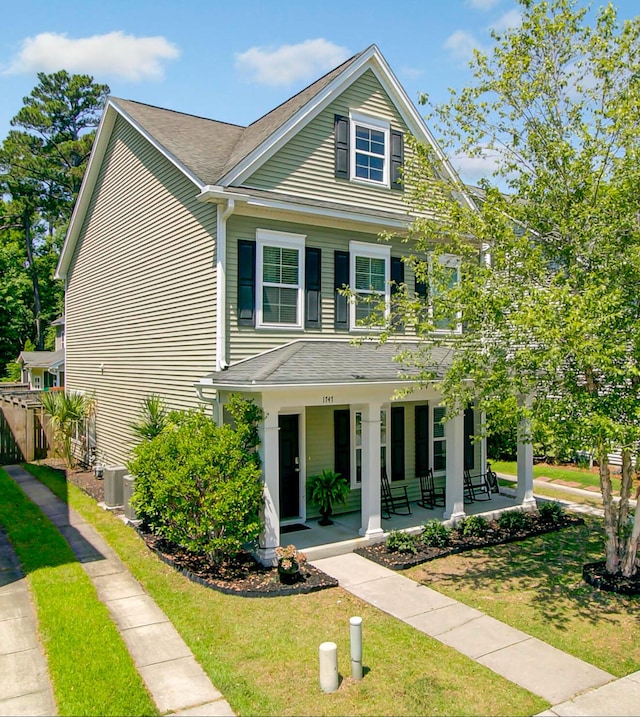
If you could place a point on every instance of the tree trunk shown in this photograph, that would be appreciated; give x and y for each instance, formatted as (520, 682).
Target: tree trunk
(34, 279)
(610, 515)
(629, 564)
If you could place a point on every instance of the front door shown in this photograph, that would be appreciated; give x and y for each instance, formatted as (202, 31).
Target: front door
(289, 466)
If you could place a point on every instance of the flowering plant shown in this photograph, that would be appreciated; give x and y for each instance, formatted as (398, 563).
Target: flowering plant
(289, 558)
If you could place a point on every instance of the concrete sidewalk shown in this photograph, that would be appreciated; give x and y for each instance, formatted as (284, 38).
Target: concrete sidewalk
(24, 680)
(574, 687)
(176, 682)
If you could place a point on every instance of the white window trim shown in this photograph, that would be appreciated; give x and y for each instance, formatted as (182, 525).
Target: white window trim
(450, 261)
(267, 237)
(440, 439)
(355, 118)
(374, 251)
(355, 484)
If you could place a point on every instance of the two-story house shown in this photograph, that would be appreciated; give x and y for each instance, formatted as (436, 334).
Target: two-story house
(205, 259)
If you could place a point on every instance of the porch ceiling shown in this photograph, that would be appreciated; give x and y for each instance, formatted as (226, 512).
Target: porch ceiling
(313, 362)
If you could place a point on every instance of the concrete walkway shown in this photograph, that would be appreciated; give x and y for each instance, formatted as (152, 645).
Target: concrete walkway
(574, 687)
(24, 680)
(176, 682)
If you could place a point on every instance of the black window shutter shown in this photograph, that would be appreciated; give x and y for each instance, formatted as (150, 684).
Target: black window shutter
(246, 282)
(421, 289)
(341, 279)
(469, 430)
(397, 159)
(397, 278)
(397, 443)
(342, 443)
(312, 287)
(341, 126)
(422, 439)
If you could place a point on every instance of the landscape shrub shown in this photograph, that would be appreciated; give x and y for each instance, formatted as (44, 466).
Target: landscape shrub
(400, 542)
(435, 534)
(513, 521)
(199, 484)
(551, 512)
(474, 526)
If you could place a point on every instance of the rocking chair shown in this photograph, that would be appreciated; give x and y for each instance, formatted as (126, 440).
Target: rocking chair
(430, 495)
(394, 500)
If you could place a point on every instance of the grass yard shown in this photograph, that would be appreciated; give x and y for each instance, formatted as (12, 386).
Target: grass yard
(262, 653)
(536, 586)
(584, 477)
(90, 667)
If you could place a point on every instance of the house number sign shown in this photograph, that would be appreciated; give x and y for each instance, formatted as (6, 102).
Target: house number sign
(327, 399)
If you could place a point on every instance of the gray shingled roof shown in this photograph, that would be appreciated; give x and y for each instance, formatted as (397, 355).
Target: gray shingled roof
(327, 362)
(201, 145)
(208, 148)
(41, 359)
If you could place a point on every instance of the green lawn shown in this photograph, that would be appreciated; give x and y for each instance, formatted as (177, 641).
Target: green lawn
(90, 667)
(584, 477)
(263, 653)
(536, 586)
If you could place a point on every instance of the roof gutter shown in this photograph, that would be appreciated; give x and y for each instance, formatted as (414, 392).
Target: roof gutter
(221, 282)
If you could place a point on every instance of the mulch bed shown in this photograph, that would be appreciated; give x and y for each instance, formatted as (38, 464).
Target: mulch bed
(396, 560)
(243, 576)
(596, 575)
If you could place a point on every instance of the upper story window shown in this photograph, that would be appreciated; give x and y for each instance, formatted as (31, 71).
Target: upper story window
(368, 150)
(447, 277)
(369, 280)
(280, 272)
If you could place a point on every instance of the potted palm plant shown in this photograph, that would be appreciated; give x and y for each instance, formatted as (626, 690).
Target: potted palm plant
(327, 489)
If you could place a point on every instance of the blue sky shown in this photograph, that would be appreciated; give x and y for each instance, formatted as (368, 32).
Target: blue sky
(234, 60)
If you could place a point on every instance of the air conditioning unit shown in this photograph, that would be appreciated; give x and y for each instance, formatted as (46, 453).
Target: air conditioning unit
(113, 475)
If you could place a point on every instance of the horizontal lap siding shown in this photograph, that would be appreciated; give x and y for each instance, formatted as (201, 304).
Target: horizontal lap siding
(246, 341)
(141, 291)
(305, 165)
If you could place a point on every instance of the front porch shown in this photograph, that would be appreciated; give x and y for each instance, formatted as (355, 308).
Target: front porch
(318, 541)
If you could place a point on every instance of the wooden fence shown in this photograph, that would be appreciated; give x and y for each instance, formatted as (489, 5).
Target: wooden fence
(23, 430)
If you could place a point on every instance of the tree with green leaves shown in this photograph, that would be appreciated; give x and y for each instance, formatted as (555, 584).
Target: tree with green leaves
(42, 163)
(536, 279)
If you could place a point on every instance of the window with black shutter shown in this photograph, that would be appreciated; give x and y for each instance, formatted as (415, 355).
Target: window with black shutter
(341, 127)
(246, 282)
(312, 271)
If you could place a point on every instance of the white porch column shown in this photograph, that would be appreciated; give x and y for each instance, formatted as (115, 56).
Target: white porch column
(483, 443)
(270, 538)
(454, 432)
(370, 488)
(524, 489)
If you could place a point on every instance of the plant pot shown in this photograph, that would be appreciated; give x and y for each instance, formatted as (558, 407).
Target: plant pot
(324, 520)
(290, 575)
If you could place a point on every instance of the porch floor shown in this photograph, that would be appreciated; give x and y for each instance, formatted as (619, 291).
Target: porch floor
(343, 536)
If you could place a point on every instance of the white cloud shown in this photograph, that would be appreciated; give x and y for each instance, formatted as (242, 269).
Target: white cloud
(482, 4)
(472, 169)
(411, 73)
(510, 19)
(114, 54)
(289, 63)
(461, 45)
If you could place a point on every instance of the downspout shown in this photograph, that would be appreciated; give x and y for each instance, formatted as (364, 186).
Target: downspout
(214, 402)
(221, 284)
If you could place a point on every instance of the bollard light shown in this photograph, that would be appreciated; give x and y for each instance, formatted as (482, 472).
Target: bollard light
(328, 667)
(355, 629)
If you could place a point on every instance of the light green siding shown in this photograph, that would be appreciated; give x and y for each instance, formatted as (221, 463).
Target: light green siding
(305, 165)
(246, 341)
(141, 299)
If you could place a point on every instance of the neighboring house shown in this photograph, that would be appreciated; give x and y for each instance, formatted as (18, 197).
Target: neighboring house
(43, 370)
(204, 259)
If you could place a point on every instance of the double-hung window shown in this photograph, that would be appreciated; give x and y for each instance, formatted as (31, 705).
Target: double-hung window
(356, 480)
(280, 273)
(439, 439)
(369, 281)
(448, 276)
(369, 144)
